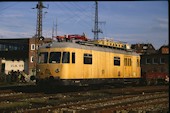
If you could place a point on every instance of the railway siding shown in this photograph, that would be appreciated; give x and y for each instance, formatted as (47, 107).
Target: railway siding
(102, 100)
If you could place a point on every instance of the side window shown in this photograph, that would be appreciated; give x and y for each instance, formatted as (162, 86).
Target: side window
(87, 58)
(66, 57)
(117, 61)
(43, 57)
(55, 57)
(73, 57)
(130, 62)
(125, 61)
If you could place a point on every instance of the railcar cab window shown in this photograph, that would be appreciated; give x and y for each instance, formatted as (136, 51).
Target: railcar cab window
(55, 57)
(117, 61)
(43, 57)
(87, 58)
(66, 57)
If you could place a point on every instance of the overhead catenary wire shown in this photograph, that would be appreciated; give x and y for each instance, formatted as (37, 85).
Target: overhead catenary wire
(7, 7)
(73, 11)
(83, 12)
(72, 15)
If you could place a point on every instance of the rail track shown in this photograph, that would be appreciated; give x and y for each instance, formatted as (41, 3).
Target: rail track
(104, 100)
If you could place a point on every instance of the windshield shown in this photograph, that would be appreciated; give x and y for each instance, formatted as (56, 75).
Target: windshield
(55, 57)
(43, 57)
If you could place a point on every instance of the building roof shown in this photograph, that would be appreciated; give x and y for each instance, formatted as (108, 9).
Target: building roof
(164, 49)
(164, 46)
(144, 48)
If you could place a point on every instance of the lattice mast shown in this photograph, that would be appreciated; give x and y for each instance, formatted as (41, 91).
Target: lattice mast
(39, 8)
(96, 30)
(38, 35)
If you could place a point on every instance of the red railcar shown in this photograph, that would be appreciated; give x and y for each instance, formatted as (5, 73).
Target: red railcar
(71, 37)
(79, 37)
(155, 78)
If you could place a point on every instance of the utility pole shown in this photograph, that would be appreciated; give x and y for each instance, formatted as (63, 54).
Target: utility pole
(39, 8)
(53, 31)
(38, 35)
(56, 28)
(96, 30)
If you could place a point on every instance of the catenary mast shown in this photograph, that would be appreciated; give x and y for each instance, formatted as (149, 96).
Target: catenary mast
(39, 8)
(96, 30)
(38, 35)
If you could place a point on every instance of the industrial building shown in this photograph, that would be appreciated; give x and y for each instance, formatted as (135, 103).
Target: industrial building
(19, 54)
(153, 61)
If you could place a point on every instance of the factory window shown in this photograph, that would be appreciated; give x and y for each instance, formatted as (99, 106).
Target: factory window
(66, 57)
(32, 59)
(87, 58)
(155, 61)
(43, 57)
(148, 61)
(32, 46)
(73, 57)
(117, 61)
(162, 60)
(55, 57)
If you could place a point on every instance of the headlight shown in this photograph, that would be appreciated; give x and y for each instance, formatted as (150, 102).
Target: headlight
(38, 70)
(57, 70)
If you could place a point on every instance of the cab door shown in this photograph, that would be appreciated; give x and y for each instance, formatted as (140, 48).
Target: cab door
(127, 67)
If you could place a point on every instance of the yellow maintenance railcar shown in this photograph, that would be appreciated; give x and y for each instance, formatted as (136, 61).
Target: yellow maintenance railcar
(82, 63)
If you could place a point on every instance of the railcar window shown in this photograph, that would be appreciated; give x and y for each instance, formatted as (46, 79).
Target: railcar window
(125, 61)
(66, 57)
(73, 57)
(55, 57)
(43, 57)
(117, 61)
(87, 58)
(130, 62)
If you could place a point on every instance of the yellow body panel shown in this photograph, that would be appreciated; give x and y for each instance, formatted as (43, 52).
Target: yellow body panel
(102, 66)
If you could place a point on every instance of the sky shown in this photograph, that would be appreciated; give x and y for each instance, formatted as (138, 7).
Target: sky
(127, 21)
